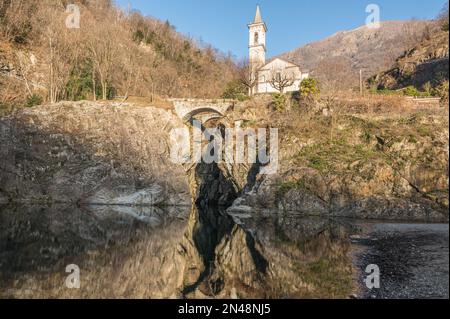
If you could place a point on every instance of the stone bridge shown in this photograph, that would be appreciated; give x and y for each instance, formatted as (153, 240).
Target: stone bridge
(202, 109)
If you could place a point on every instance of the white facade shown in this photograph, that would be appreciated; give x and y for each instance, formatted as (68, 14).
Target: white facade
(262, 73)
(282, 69)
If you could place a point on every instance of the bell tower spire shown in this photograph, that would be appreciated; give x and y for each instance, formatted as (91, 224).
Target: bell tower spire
(258, 18)
(257, 43)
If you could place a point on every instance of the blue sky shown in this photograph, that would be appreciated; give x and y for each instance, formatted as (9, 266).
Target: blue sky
(291, 23)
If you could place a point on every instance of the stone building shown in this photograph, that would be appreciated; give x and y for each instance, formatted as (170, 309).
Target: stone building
(276, 75)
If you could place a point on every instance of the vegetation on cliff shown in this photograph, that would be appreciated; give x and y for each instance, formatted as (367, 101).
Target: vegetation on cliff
(423, 70)
(113, 53)
(376, 157)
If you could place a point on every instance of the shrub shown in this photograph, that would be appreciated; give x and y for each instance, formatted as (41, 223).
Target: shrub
(442, 91)
(138, 36)
(309, 88)
(411, 91)
(33, 100)
(79, 85)
(235, 90)
(428, 89)
(383, 91)
(279, 101)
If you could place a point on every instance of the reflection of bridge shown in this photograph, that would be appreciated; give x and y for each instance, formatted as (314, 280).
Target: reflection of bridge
(201, 109)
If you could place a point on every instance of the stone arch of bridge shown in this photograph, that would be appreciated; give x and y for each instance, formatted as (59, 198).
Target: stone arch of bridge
(207, 112)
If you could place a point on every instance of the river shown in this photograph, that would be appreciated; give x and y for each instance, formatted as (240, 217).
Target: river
(138, 252)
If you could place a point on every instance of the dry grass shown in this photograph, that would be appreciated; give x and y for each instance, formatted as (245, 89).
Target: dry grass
(156, 101)
(372, 104)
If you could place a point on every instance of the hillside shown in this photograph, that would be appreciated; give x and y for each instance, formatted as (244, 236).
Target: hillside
(427, 62)
(346, 52)
(112, 53)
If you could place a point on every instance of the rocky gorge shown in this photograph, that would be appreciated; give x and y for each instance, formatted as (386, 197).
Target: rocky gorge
(93, 184)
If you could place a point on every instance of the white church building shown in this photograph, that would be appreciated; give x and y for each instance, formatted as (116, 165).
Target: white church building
(276, 75)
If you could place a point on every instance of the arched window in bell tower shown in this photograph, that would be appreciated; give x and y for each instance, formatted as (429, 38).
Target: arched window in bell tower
(256, 37)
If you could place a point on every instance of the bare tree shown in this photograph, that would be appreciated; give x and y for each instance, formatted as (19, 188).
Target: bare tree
(248, 75)
(130, 73)
(281, 79)
(57, 41)
(335, 74)
(103, 43)
(443, 17)
(24, 69)
(14, 19)
(413, 33)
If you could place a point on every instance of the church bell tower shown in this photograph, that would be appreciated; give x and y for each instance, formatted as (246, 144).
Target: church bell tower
(257, 44)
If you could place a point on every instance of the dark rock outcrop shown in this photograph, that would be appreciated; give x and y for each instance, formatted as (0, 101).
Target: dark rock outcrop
(428, 62)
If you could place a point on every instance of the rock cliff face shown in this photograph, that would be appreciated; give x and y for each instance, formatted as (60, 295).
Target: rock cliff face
(90, 153)
(426, 62)
(119, 155)
(384, 167)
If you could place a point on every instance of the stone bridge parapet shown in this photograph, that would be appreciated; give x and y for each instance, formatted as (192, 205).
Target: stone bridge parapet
(207, 109)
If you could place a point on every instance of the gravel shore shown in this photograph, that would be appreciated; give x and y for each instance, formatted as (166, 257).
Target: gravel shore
(413, 260)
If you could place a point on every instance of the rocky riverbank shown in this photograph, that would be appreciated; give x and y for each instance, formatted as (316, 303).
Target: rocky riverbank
(90, 153)
(381, 164)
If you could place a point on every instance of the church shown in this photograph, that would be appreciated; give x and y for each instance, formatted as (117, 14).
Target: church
(276, 76)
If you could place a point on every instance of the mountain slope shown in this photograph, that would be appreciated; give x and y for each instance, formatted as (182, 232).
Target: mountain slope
(112, 53)
(426, 62)
(371, 50)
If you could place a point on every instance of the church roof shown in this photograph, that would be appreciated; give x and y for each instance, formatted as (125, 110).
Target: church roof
(284, 60)
(258, 18)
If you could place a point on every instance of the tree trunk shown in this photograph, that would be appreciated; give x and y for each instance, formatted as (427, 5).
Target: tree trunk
(104, 90)
(94, 88)
(52, 98)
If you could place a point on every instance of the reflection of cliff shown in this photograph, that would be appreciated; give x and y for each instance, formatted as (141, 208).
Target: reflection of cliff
(275, 257)
(119, 255)
(223, 255)
(159, 254)
(307, 257)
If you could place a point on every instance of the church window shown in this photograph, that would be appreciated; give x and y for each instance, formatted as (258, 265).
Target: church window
(256, 37)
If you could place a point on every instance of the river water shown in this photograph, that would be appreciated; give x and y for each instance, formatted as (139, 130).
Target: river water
(137, 252)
